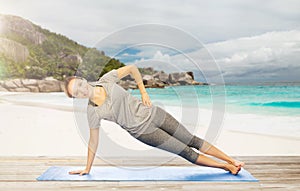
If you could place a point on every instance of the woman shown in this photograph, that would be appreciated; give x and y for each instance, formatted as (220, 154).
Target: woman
(146, 122)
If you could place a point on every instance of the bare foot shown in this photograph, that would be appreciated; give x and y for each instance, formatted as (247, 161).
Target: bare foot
(237, 163)
(232, 169)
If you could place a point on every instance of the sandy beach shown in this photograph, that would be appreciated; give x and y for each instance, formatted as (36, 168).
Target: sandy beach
(41, 131)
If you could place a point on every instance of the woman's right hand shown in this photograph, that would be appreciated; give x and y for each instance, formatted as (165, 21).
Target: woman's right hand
(80, 172)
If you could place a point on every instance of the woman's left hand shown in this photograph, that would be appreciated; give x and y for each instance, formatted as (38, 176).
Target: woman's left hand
(146, 99)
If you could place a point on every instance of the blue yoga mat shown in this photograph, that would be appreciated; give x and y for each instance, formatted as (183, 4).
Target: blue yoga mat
(150, 173)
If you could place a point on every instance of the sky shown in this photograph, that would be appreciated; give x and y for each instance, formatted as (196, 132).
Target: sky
(236, 40)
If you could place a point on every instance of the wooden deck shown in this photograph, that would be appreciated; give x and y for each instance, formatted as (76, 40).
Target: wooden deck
(274, 173)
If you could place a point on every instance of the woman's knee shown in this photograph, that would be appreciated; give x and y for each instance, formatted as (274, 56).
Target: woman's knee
(196, 142)
(189, 154)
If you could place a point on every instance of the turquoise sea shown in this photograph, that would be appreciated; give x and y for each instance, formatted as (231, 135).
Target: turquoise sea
(264, 98)
(281, 99)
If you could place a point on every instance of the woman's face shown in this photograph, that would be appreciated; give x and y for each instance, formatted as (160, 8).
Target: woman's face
(79, 88)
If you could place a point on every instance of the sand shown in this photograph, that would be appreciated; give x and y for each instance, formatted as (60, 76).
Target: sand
(40, 131)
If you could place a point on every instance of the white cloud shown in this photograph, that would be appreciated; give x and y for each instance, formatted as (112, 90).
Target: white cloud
(236, 32)
(159, 61)
(161, 57)
(89, 21)
(273, 56)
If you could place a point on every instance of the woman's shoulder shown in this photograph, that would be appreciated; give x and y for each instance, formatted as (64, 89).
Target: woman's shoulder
(110, 77)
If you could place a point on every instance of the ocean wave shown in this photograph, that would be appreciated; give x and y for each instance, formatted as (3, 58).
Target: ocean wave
(287, 104)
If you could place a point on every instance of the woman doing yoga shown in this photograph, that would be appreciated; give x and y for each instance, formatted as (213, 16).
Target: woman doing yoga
(148, 123)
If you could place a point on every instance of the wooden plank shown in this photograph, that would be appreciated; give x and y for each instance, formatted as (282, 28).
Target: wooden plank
(273, 172)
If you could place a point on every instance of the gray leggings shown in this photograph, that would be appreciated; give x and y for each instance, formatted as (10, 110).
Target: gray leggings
(171, 135)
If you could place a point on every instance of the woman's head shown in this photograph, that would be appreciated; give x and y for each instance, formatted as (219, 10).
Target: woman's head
(76, 87)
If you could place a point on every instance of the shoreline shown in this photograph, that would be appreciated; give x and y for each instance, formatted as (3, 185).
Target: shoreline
(170, 108)
(54, 132)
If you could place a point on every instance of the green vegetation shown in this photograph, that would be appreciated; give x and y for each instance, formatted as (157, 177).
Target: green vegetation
(58, 57)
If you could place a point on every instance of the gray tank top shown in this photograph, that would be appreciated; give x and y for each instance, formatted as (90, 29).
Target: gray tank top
(120, 107)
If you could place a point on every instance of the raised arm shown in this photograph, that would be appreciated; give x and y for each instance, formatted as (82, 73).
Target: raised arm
(92, 148)
(135, 73)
